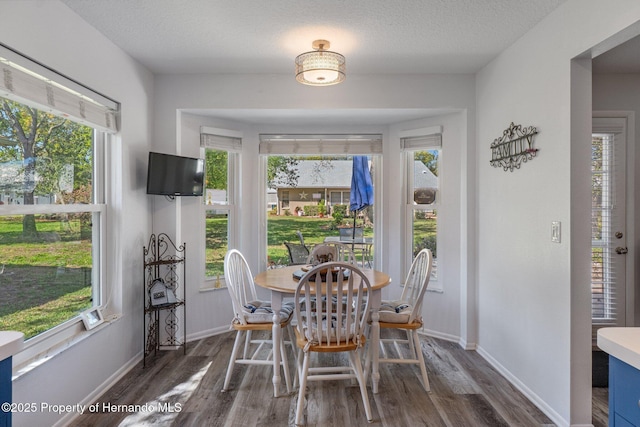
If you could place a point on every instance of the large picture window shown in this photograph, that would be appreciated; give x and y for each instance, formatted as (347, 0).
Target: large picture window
(310, 179)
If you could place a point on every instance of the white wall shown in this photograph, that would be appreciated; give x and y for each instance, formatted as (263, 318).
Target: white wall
(177, 132)
(532, 303)
(50, 33)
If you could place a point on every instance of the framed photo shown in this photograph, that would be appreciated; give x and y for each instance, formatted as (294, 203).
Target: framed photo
(92, 318)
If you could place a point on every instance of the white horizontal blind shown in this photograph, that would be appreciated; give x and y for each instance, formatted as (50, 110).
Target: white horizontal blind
(219, 142)
(421, 142)
(604, 260)
(30, 83)
(320, 144)
(421, 139)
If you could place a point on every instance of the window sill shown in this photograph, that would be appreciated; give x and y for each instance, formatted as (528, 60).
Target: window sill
(31, 356)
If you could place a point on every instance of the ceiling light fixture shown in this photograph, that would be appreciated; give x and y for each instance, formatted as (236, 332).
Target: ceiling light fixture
(320, 67)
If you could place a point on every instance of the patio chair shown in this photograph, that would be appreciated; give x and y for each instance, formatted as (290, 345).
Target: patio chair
(298, 254)
(301, 237)
(331, 327)
(251, 314)
(405, 314)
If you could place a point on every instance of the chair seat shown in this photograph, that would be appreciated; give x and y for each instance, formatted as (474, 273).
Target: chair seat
(261, 312)
(416, 324)
(324, 347)
(395, 311)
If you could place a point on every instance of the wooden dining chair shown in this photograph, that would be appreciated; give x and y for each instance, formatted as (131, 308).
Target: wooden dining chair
(405, 314)
(251, 315)
(331, 326)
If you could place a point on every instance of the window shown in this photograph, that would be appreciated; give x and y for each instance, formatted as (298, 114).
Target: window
(423, 163)
(52, 203)
(339, 197)
(312, 175)
(222, 157)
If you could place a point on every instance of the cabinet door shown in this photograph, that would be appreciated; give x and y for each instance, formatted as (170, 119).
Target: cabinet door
(621, 422)
(625, 393)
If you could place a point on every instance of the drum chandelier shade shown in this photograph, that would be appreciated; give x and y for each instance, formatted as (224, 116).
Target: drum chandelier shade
(320, 67)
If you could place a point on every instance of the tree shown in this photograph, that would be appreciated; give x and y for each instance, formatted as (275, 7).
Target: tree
(216, 165)
(429, 158)
(46, 145)
(281, 170)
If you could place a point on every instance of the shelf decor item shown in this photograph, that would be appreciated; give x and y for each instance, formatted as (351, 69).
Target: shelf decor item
(92, 318)
(514, 147)
(164, 272)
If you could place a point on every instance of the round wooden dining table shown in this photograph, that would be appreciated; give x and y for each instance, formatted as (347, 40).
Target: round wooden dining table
(282, 283)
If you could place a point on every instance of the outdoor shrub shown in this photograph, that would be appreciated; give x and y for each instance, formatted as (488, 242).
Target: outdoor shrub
(338, 214)
(340, 209)
(428, 242)
(322, 208)
(311, 210)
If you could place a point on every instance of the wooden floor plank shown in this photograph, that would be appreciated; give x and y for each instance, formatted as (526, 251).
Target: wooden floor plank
(465, 390)
(600, 407)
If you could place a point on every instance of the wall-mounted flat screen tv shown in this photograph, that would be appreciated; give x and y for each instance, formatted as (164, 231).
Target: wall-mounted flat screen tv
(171, 175)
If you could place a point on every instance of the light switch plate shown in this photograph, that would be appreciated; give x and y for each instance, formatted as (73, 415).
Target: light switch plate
(555, 231)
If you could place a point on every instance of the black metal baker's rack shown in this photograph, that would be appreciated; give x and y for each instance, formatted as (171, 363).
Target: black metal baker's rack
(163, 259)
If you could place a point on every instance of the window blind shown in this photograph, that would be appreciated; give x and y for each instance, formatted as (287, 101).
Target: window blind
(220, 142)
(31, 83)
(421, 142)
(320, 144)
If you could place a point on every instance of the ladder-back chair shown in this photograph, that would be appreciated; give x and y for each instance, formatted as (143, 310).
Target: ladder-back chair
(251, 314)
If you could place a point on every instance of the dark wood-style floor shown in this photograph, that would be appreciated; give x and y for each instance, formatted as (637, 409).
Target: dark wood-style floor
(178, 390)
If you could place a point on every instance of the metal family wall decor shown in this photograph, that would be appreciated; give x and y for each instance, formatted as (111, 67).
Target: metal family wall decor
(513, 147)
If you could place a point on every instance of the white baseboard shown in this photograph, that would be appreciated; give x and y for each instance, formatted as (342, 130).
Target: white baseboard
(439, 335)
(448, 337)
(533, 397)
(208, 333)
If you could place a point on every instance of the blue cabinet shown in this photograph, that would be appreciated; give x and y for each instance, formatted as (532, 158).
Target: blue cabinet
(5, 390)
(624, 394)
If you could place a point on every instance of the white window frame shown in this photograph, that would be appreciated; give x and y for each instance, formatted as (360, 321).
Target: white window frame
(231, 142)
(423, 139)
(338, 144)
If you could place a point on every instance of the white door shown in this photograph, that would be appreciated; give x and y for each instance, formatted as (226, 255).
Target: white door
(608, 223)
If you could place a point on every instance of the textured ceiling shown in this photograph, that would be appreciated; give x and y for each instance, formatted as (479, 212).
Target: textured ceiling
(377, 37)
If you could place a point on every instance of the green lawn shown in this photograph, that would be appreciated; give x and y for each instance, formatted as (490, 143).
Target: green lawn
(47, 280)
(282, 229)
(44, 280)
